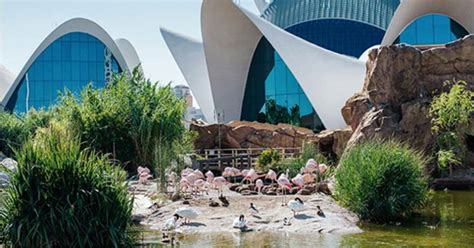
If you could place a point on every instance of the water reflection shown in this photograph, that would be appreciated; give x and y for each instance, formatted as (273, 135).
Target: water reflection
(447, 221)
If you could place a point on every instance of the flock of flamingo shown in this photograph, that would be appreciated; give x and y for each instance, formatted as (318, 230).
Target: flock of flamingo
(196, 182)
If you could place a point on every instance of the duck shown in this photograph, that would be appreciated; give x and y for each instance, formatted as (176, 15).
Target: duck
(286, 222)
(171, 223)
(187, 214)
(240, 222)
(320, 212)
(296, 205)
(252, 209)
(225, 202)
(213, 203)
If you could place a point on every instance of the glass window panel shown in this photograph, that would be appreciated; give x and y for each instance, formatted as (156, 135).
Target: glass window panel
(84, 48)
(76, 71)
(48, 71)
(75, 51)
(66, 69)
(100, 71)
(48, 54)
(84, 72)
(92, 51)
(93, 71)
(56, 51)
(66, 51)
(57, 71)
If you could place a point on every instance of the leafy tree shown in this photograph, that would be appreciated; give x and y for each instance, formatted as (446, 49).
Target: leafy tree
(450, 112)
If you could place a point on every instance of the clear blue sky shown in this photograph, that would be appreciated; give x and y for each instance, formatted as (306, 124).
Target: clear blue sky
(25, 23)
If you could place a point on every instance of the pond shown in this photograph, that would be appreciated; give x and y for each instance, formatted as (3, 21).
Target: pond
(447, 221)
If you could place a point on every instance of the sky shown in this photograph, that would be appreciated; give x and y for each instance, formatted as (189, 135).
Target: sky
(25, 23)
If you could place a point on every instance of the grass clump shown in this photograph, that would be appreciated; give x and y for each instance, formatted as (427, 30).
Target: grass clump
(381, 180)
(63, 196)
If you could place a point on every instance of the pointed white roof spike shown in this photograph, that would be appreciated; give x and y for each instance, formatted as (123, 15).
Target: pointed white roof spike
(189, 55)
(261, 5)
(409, 10)
(6, 80)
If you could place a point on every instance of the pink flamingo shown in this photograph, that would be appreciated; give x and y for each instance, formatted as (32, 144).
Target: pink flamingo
(284, 184)
(259, 185)
(199, 185)
(199, 174)
(191, 178)
(271, 175)
(143, 174)
(298, 180)
(251, 176)
(322, 168)
(219, 183)
(209, 176)
(311, 166)
(184, 184)
(235, 172)
(308, 178)
(244, 172)
(186, 172)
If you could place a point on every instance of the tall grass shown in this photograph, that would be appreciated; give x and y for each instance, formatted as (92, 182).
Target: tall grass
(381, 181)
(63, 196)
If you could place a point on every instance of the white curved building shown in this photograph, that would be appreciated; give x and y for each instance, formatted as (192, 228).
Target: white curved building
(6, 79)
(76, 53)
(298, 62)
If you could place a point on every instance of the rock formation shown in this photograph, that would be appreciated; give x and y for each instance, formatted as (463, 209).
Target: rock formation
(242, 134)
(400, 84)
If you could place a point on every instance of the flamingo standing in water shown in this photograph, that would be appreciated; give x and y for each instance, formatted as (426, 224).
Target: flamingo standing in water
(271, 175)
(284, 184)
(219, 183)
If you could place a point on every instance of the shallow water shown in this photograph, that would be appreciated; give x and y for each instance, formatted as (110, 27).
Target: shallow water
(447, 221)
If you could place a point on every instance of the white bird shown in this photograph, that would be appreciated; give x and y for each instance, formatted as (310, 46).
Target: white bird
(240, 222)
(187, 214)
(296, 205)
(259, 185)
(171, 223)
(253, 209)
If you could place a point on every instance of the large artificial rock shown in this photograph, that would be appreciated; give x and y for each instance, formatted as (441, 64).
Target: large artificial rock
(400, 84)
(241, 134)
(333, 142)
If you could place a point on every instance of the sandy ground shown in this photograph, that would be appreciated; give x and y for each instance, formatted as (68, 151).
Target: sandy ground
(270, 218)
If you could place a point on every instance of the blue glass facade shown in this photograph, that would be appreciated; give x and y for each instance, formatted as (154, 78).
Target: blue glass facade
(432, 29)
(270, 79)
(339, 35)
(71, 62)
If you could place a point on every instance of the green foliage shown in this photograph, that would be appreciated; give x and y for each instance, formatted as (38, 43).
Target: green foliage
(63, 196)
(131, 118)
(381, 181)
(15, 130)
(450, 114)
(267, 160)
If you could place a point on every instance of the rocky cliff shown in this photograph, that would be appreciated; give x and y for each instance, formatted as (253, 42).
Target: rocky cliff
(400, 84)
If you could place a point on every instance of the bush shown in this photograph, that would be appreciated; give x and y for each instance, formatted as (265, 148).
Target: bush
(15, 130)
(131, 118)
(62, 196)
(267, 160)
(381, 181)
(450, 114)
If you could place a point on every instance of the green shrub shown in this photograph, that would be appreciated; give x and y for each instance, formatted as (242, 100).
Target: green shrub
(63, 196)
(381, 181)
(131, 118)
(267, 160)
(450, 112)
(15, 130)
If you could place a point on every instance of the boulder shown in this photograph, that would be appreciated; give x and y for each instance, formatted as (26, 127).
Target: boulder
(400, 84)
(333, 142)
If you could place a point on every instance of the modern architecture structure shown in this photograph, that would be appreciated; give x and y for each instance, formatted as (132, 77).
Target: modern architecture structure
(300, 58)
(76, 53)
